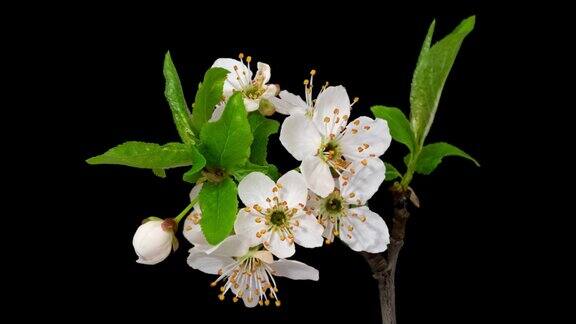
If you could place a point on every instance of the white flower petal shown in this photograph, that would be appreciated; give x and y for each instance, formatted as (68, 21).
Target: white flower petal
(232, 82)
(360, 181)
(247, 226)
(251, 104)
(293, 189)
(299, 136)
(265, 256)
(365, 137)
(192, 230)
(157, 258)
(332, 110)
(318, 176)
(370, 235)
(218, 111)
(250, 301)
(195, 191)
(232, 246)
(313, 201)
(294, 270)
(288, 103)
(280, 248)
(270, 92)
(308, 233)
(263, 72)
(255, 188)
(210, 264)
(328, 231)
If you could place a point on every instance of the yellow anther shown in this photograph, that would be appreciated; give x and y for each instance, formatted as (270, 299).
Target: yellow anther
(235, 299)
(241, 55)
(213, 284)
(221, 296)
(267, 302)
(312, 72)
(278, 303)
(248, 59)
(306, 82)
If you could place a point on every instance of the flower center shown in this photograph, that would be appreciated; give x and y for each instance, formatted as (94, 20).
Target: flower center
(331, 151)
(333, 206)
(278, 218)
(254, 90)
(249, 278)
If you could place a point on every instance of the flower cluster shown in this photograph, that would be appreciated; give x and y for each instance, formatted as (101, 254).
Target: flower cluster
(325, 198)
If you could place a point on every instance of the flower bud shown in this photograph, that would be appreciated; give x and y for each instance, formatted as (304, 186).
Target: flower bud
(154, 239)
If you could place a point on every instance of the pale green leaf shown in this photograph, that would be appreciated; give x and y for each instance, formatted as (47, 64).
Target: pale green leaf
(147, 155)
(432, 154)
(270, 170)
(398, 123)
(391, 172)
(430, 74)
(226, 142)
(194, 173)
(219, 206)
(262, 128)
(177, 102)
(159, 173)
(209, 94)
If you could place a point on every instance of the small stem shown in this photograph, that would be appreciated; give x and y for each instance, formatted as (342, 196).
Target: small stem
(407, 178)
(185, 211)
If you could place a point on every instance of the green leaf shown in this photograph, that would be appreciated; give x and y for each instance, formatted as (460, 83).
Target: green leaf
(398, 123)
(432, 154)
(269, 170)
(209, 94)
(147, 155)
(434, 64)
(177, 102)
(159, 173)
(194, 174)
(262, 128)
(272, 172)
(219, 207)
(226, 142)
(391, 172)
(407, 159)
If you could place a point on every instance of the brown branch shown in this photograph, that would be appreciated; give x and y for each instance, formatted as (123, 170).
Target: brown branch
(383, 265)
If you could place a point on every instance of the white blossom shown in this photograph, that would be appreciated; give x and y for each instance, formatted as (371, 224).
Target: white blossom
(326, 144)
(289, 103)
(240, 79)
(344, 212)
(247, 272)
(274, 215)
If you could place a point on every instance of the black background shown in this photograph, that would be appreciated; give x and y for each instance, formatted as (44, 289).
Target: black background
(117, 64)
